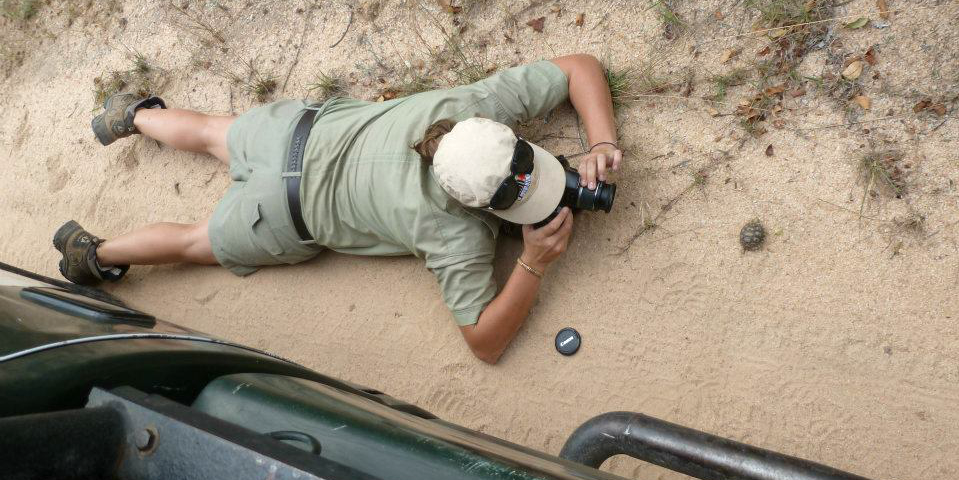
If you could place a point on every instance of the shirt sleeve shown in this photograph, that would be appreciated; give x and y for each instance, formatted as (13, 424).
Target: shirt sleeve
(467, 286)
(524, 92)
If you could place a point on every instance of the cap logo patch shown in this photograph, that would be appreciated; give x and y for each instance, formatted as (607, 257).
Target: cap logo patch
(524, 180)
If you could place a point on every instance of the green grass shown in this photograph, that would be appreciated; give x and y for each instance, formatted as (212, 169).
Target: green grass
(19, 9)
(620, 82)
(140, 63)
(415, 82)
(667, 15)
(326, 86)
(721, 83)
(256, 83)
(879, 173)
(463, 63)
(786, 13)
(141, 78)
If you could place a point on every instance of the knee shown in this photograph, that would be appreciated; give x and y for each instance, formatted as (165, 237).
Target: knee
(197, 243)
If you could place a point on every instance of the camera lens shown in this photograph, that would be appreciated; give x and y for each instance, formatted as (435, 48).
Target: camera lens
(599, 199)
(605, 194)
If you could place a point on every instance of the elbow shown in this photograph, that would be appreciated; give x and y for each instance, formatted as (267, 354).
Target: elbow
(483, 347)
(487, 356)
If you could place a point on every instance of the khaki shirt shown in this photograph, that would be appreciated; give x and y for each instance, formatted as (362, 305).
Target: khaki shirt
(366, 192)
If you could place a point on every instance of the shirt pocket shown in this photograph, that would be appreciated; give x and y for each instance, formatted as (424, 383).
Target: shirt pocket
(261, 233)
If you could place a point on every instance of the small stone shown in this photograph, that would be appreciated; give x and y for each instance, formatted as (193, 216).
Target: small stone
(753, 235)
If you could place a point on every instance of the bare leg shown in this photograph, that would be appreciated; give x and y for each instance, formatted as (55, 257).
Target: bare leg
(186, 130)
(159, 243)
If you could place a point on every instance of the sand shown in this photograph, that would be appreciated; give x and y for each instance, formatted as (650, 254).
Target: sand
(836, 342)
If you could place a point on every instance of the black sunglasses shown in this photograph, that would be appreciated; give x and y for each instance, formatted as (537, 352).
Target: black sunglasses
(522, 164)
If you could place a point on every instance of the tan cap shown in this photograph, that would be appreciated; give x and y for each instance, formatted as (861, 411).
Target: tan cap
(473, 159)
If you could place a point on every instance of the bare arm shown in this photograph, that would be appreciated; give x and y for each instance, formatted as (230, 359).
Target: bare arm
(589, 94)
(501, 319)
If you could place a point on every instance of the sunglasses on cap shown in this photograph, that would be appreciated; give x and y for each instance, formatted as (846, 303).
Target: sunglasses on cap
(522, 164)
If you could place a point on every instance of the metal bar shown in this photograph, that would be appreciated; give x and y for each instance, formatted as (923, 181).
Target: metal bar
(170, 440)
(128, 336)
(687, 451)
(68, 445)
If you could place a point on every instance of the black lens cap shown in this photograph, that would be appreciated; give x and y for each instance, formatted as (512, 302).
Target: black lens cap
(567, 341)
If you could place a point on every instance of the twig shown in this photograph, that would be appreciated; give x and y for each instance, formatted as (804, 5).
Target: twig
(943, 122)
(850, 123)
(860, 214)
(832, 19)
(349, 23)
(296, 56)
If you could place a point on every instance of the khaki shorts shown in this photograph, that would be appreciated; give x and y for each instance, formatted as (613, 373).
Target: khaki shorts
(251, 226)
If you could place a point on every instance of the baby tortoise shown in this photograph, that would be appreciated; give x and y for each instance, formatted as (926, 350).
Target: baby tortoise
(752, 236)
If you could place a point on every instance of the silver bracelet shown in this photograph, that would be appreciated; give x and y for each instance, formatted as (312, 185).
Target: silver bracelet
(602, 143)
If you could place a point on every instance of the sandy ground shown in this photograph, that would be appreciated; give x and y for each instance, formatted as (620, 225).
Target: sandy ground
(836, 342)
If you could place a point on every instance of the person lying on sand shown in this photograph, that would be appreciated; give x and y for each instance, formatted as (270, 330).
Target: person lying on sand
(362, 178)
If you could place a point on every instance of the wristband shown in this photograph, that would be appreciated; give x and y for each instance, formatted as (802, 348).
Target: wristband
(603, 143)
(536, 273)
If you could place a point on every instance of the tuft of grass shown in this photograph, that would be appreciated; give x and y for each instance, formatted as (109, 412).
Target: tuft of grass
(620, 82)
(262, 88)
(140, 63)
(21, 10)
(879, 173)
(415, 82)
(912, 222)
(721, 83)
(326, 86)
(672, 23)
(258, 84)
(104, 88)
(461, 61)
(141, 78)
(198, 25)
(784, 13)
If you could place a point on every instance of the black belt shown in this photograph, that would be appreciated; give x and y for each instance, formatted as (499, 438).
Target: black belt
(294, 166)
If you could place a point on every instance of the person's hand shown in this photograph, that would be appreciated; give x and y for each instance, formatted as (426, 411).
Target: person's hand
(543, 245)
(597, 163)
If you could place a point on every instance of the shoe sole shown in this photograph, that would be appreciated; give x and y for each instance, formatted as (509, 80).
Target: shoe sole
(63, 233)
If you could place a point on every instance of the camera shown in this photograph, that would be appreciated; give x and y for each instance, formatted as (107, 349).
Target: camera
(581, 198)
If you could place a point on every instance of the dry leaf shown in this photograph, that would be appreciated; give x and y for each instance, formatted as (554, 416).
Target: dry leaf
(853, 71)
(380, 99)
(870, 56)
(763, 51)
(775, 90)
(883, 9)
(728, 54)
(712, 111)
(797, 93)
(939, 108)
(857, 23)
(863, 101)
(718, 15)
(777, 32)
(769, 150)
(580, 18)
(922, 105)
(537, 24)
(447, 6)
